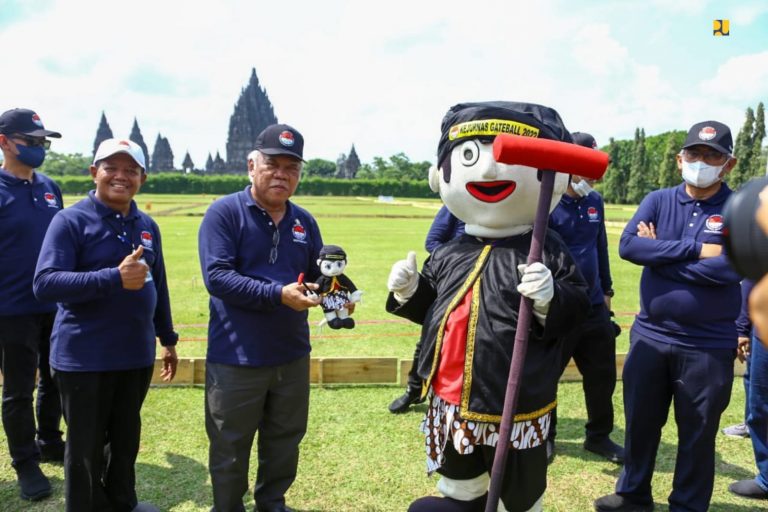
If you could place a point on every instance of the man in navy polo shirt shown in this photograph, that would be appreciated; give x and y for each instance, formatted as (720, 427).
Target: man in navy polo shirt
(102, 261)
(683, 341)
(28, 202)
(253, 246)
(579, 219)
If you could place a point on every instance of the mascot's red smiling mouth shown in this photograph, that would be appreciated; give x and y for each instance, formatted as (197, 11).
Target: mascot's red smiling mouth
(491, 191)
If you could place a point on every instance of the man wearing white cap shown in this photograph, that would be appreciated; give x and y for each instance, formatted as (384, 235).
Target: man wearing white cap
(102, 261)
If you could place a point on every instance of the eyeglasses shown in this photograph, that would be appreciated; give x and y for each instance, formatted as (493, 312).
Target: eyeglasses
(273, 251)
(33, 141)
(711, 157)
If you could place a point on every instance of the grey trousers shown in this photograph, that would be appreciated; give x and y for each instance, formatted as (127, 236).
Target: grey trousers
(239, 401)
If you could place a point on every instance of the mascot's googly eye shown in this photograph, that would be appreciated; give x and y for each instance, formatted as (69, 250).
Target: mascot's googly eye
(470, 152)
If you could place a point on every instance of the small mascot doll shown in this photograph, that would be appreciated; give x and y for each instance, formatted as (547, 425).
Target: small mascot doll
(336, 289)
(467, 297)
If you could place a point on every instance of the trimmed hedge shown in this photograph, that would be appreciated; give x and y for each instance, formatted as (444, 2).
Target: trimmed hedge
(175, 183)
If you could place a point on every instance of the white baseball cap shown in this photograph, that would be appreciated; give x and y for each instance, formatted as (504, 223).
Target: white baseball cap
(111, 147)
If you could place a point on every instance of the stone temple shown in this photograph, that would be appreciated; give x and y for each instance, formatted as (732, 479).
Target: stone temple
(253, 112)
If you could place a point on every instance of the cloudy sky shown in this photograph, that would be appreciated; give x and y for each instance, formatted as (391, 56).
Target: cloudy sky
(377, 74)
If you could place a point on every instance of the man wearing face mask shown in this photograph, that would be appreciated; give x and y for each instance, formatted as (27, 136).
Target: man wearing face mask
(28, 202)
(580, 220)
(683, 341)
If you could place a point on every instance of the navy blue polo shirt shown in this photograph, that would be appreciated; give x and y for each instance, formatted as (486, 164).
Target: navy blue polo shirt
(445, 227)
(26, 209)
(581, 224)
(100, 326)
(248, 324)
(684, 300)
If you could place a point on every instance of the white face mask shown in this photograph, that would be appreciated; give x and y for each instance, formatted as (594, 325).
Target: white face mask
(582, 188)
(701, 175)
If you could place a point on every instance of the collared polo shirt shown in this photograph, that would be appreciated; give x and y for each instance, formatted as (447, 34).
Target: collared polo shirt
(245, 265)
(26, 209)
(100, 326)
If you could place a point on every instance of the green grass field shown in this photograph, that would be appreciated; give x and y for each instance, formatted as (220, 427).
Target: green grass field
(357, 456)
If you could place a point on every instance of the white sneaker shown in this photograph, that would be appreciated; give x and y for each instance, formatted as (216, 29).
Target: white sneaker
(740, 430)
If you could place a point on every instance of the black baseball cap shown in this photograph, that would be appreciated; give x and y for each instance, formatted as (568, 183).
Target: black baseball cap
(24, 122)
(584, 139)
(281, 139)
(710, 133)
(332, 252)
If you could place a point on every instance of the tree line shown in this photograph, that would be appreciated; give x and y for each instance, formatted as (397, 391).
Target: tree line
(644, 164)
(638, 166)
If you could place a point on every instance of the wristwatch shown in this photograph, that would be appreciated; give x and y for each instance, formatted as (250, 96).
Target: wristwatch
(609, 293)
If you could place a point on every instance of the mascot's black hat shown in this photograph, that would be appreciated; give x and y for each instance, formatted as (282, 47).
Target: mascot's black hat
(485, 120)
(332, 252)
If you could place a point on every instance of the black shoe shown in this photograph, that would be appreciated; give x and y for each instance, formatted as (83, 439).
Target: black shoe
(402, 403)
(348, 323)
(336, 323)
(33, 484)
(618, 503)
(748, 489)
(550, 450)
(276, 508)
(437, 504)
(605, 448)
(51, 452)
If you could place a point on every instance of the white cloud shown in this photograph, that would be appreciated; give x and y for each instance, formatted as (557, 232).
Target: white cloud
(377, 75)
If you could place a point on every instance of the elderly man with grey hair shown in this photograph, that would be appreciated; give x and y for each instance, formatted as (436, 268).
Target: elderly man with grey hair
(253, 246)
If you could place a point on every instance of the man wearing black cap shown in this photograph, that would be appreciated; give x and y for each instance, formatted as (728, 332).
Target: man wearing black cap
(28, 202)
(580, 220)
(253, 245)
(683, 341)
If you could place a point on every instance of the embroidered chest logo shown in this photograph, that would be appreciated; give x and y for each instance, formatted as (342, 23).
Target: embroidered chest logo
(50, 199)
(592, 213)
(298, 231)
(146, 239)
(715, 223)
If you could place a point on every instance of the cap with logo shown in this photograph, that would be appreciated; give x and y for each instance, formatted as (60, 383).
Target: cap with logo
(23, 121)
(281, 139)
(109, 147)
(710, 133)
(584, 139)
(332, 252)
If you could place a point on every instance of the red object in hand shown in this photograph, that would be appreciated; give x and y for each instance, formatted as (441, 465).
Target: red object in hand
(548, 154)
(300, 280)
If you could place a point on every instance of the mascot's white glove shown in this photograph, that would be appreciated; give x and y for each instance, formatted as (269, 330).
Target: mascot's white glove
(537, 284)
(404, 278)
(355, 296)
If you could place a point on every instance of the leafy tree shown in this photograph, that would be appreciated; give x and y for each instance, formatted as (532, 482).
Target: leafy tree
(63, 164)
(743, 151)
(669, 175)
(397, 167)
(757, 166)
(639, 182)
(613, 185)
(319, 167)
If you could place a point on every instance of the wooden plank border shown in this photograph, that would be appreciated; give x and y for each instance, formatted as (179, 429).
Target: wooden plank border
(355, 370)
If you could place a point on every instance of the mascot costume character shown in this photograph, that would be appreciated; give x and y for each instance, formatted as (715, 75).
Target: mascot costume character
(335, 289)
(467, 299)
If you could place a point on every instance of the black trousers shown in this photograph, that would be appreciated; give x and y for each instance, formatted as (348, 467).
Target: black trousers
(103, 414)
(239, 401)
(414, 381)
(25, 344)
(525, 474)
(697, 382)
(593, 348)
